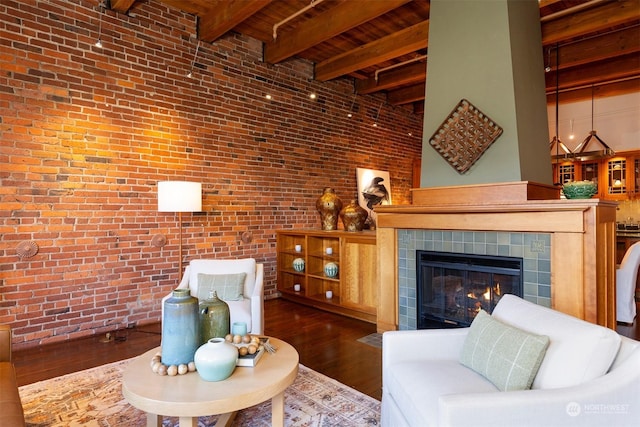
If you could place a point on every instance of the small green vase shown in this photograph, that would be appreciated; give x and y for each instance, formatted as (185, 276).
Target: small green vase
(215, 318)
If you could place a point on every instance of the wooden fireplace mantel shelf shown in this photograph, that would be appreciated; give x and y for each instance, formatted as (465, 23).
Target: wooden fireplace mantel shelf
(583, 240)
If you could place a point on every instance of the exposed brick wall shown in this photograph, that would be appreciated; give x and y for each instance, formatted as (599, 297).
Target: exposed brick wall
(87, 133)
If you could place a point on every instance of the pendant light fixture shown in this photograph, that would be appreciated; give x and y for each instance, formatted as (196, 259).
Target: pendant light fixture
(555, 141)
(604, 153)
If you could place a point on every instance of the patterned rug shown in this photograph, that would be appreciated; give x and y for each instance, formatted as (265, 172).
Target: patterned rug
(94, 398)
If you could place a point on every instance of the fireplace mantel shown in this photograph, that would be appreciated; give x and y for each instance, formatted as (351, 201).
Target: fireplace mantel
(582, 247)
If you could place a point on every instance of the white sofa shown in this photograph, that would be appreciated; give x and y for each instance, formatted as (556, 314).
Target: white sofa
(250, 308)
(589, 376)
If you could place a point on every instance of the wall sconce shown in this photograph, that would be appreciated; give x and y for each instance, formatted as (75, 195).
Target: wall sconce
(179, 196)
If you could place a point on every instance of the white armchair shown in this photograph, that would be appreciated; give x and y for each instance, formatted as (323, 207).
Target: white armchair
(590, 376)
(250, 309)
(626, 277)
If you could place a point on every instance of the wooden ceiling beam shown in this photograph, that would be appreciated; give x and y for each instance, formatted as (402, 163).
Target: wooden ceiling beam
(585, 22)
(223, 15)
(600, 91)
(400, 43)
(607, 46)
(410, 74)
(121, 6)
(595, 73)
(329, 24)
(406, 95)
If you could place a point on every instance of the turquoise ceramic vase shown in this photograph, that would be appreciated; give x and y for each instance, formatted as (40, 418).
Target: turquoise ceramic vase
(215, 318)
(331, 269)
(216, 359)
(180, 328)
(298, 264)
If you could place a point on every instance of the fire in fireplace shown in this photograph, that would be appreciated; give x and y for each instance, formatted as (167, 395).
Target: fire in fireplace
(453, 287)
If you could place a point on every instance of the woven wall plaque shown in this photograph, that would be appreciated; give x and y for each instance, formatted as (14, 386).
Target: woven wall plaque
(464, 136)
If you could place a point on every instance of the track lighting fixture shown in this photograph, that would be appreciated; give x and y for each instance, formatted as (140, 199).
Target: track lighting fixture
(98, 42)
(353, 102)
(269, 95)
(375, 123)
(193, 63)
(571, 135)
(548, 67)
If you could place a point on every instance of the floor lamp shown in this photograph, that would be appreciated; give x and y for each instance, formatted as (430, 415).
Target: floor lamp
(179, 196)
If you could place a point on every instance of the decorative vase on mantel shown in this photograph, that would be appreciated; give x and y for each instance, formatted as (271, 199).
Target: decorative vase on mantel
(353, 216)
(329, 206)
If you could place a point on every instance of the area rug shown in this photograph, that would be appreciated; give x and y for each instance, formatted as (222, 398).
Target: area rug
(94, 398)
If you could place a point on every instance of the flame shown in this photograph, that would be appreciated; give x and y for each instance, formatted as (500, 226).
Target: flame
(487, 294)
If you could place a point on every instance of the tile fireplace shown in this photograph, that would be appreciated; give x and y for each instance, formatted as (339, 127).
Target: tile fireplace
(567, 246)
(452, 288)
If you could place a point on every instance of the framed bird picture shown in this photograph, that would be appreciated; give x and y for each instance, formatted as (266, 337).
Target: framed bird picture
(374, 189)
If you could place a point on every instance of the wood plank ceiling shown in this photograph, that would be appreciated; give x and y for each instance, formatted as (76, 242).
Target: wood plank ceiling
(383, 45)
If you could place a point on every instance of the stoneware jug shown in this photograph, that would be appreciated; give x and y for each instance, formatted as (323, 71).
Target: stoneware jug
(180, 328)
(215, 318)
(216, 359)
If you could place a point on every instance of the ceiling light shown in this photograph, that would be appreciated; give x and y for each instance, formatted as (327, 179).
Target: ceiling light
(555, 141)
(273, 84)
(353, 102)
(375, 123)
(312, 96)
(98, 43)
(606, 152)
(193, 63)
(548, 67)
(571, 135)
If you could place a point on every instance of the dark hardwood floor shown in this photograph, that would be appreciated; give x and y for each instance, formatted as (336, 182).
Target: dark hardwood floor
(327, 343)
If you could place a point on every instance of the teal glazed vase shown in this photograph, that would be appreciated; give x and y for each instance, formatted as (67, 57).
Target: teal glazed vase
(216, 359)
(180, 328)
(331, 269)
(298, 264)
(215, 318)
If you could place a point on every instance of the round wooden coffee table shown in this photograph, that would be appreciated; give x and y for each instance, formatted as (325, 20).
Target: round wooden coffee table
(189, 397)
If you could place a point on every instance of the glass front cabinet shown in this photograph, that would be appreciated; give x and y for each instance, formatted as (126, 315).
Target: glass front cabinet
(617, 178)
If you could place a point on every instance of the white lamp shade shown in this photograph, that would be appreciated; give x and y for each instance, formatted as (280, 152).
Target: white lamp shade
(179, 196)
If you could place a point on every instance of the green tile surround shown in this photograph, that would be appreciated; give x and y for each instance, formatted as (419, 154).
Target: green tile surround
(533, 248)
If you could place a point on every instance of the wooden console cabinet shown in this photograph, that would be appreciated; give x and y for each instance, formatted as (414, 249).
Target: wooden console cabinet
(354, 288)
